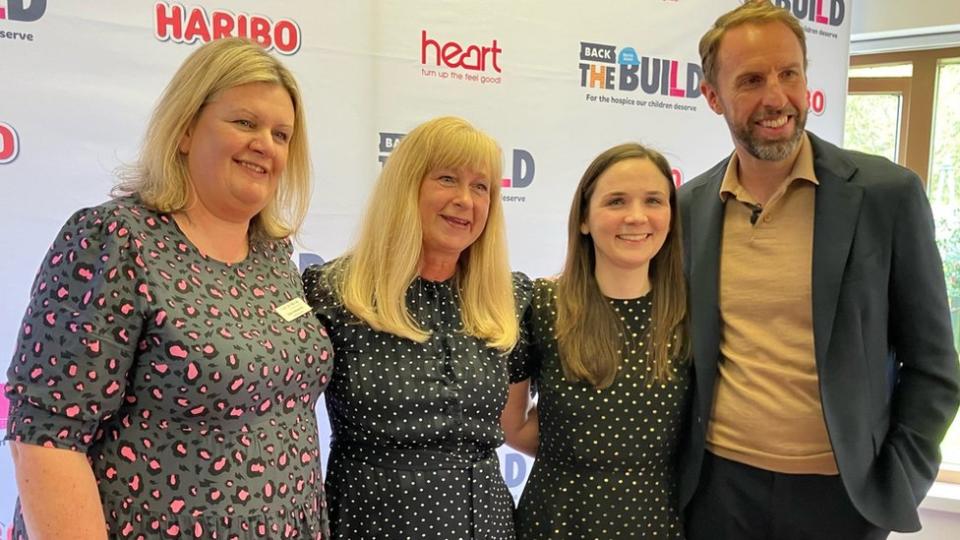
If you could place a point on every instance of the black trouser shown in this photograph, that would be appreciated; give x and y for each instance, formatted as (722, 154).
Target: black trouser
(739, 502)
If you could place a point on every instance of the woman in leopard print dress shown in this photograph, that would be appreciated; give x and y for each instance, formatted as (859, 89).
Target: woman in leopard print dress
(165, 373)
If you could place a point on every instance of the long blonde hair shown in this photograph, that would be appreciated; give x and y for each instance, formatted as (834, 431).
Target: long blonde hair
(160, 176)
(385, 260)
(588, 330)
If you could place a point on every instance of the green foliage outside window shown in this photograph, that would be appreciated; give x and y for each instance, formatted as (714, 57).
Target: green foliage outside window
(944, 192)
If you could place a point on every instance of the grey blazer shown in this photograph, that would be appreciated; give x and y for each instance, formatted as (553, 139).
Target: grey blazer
(889, 378)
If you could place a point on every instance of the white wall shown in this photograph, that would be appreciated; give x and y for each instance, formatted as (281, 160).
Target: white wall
(868, 16)
(368, 70)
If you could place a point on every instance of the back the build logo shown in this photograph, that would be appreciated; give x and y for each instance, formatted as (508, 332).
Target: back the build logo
(22, 10)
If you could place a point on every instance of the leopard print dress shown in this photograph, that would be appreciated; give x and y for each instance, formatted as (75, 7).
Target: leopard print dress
(190, 393)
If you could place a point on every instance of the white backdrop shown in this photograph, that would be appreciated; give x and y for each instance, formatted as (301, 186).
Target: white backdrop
(556, 82)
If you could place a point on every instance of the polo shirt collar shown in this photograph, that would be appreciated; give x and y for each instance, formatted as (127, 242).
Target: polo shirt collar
(802, 170)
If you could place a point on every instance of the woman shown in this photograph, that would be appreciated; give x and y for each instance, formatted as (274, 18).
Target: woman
(422, 315)
(606, 354)
(164, 380)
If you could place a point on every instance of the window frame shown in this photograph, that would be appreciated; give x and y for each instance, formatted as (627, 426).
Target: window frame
(916, 124)
(887, 86)
(919, 96)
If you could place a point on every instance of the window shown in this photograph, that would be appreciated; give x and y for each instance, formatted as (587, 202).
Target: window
(872, 124)
(906, 106)
(944, 192)
(877, 110)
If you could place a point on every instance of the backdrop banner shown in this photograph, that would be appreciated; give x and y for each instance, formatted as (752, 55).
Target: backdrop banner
(554, 82)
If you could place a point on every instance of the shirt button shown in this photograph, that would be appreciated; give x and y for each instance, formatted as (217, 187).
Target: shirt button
(766, 219)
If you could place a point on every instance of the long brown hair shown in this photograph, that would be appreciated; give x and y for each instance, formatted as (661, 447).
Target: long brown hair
(588, 330)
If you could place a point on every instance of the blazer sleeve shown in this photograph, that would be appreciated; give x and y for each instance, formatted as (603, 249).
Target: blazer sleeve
(927, 390)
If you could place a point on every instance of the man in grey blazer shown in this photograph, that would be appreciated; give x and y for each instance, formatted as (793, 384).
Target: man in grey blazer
(825, 374)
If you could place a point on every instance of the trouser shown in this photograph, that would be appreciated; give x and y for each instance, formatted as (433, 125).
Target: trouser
(739, 502)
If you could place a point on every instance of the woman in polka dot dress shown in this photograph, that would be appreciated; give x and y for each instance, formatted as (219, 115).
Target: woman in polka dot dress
(606, 356)
(422, 313)
(167, 368)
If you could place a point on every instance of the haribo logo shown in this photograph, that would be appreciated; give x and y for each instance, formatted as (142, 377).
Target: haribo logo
(829, 12)
(522, 166)
(173, 22)
(601, 66)
(23, 10)
(9, 143)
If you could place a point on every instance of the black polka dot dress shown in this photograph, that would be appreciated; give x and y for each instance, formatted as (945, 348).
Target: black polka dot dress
(415, 426)
(605, 468)
(192, 397)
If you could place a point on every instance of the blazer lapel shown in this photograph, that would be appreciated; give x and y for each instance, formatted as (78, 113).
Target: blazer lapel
(706, 221)
(834, 224)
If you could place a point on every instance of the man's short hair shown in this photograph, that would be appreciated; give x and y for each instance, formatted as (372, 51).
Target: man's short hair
(751, 12)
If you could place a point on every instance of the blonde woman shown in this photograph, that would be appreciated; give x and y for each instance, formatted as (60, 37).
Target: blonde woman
(606, 355)
(161, 387)
(422, 314)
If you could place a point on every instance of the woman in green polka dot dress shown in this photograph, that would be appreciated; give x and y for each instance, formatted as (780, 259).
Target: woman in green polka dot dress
(607, 343)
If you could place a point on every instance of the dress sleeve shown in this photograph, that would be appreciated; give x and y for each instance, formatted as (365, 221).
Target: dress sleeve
(319, 286)
(520, 368)
(79, 335)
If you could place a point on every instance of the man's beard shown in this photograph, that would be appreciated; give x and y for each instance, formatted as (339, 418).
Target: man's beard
(771, 150)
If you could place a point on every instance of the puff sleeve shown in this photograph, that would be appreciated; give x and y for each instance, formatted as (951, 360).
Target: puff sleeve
(319, 286)
(78, 338)
(521, 356)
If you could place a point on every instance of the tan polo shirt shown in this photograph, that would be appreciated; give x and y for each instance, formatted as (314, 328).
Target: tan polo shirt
(767, 410)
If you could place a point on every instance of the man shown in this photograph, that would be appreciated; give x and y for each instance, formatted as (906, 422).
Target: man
(825, 373)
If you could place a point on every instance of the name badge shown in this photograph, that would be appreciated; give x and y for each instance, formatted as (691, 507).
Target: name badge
(293, 309)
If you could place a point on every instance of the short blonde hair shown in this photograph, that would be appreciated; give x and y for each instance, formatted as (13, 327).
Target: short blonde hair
(752, 12)
(160, 176)
(385, 260)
